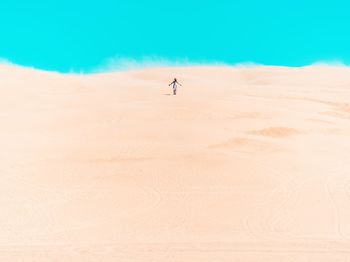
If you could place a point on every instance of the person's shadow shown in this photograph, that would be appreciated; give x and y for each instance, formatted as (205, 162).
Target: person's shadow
(167, 94)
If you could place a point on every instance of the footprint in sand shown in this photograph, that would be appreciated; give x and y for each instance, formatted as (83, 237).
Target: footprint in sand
(275, 132)
(247, 144)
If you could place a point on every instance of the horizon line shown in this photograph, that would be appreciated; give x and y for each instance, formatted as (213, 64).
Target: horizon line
(126, 65)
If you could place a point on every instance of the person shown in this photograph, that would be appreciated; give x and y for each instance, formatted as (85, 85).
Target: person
(174, 83)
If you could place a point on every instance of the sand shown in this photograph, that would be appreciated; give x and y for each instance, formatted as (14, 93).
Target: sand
(244, 164)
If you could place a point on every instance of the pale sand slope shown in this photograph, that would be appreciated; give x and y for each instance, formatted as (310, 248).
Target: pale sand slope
(245, 164)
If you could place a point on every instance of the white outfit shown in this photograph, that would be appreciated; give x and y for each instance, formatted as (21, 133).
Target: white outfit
(174, 88)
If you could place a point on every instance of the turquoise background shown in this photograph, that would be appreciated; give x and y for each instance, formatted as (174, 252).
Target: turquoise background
(83, 35)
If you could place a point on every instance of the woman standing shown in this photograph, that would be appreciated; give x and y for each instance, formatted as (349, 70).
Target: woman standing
(174, 83)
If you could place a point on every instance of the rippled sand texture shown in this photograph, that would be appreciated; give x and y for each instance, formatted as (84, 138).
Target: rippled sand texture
(244, 164)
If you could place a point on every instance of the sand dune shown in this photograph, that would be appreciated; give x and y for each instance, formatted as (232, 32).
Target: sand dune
(245, 164)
